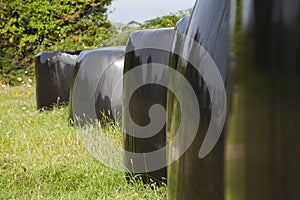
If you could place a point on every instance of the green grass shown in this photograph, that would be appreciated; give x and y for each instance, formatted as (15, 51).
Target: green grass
(42, 156)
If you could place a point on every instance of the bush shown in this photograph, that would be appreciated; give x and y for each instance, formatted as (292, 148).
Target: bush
(31, 26)
(124, 31)
(166, 21)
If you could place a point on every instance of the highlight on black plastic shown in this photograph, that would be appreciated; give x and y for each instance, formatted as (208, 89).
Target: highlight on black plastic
(198, 174)
(95, 94)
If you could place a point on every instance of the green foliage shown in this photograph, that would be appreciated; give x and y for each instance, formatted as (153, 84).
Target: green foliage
(31, 26)
(28, 27)
(124, 31)
(165, 21)
(117, 39)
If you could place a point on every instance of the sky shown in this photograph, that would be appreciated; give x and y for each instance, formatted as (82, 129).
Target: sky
(125, 11)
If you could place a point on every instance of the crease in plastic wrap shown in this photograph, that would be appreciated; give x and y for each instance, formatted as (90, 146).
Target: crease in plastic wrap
(95, 93)
(53, 71)
(144, 98)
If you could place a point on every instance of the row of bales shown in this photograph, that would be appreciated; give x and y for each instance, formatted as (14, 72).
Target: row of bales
(226, 79)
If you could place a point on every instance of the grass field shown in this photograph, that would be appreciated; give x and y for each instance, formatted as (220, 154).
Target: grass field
(42, 156)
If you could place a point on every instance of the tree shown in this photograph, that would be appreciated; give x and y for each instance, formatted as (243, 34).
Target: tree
(158, 22)
(31, 26)
(166, 21)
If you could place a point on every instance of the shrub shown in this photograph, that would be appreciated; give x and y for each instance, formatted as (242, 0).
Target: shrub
(31, 26)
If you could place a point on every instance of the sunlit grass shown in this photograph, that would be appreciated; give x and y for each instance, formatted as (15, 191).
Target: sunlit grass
(42, 156)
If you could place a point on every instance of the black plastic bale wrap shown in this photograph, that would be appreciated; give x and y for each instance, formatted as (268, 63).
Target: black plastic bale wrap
(138, 53)
(263, 151)
(53, 71)
(192, 176)
(97, 86)
(178, 33)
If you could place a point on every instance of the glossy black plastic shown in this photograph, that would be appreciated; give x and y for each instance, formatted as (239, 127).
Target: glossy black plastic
(177, 40)
(182, 24)
(145, 96)
(191, 177)
(53, 71)
(95, 80)
(262, 145)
